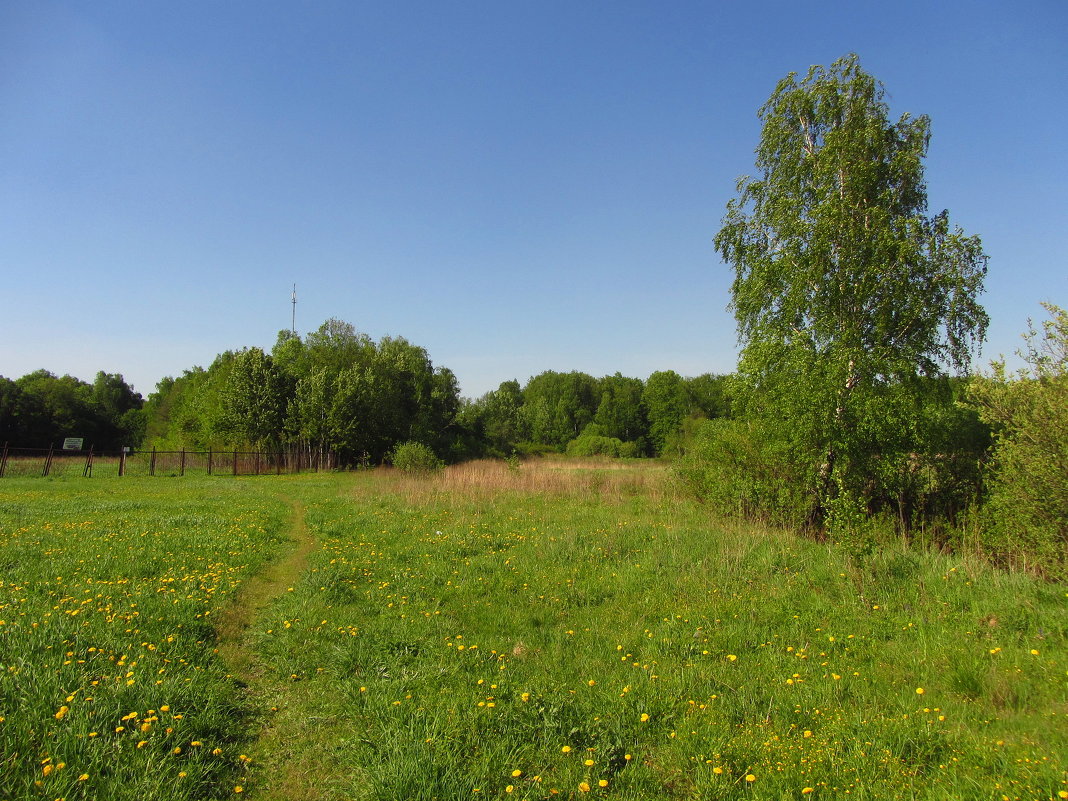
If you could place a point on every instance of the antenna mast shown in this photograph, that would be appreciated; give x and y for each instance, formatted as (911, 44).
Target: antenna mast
(293, 325)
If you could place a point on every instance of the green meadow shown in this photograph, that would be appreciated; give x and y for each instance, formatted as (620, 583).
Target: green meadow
(556, 629)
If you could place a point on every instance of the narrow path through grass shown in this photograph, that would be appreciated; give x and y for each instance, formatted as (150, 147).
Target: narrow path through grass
(284, 762)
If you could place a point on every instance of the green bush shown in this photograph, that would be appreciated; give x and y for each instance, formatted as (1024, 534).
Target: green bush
(731, 466)
(593, 445)
(1026, 514)
(415, 457)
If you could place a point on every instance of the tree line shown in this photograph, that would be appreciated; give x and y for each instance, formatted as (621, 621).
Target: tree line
(338, 390)
(41, 409)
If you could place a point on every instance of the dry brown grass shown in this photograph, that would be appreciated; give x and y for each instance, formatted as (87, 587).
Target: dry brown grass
(585, 478)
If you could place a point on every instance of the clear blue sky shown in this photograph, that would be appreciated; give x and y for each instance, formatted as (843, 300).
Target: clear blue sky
(515, 186)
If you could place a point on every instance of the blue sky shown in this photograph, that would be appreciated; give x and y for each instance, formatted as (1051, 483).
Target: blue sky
(515, 186)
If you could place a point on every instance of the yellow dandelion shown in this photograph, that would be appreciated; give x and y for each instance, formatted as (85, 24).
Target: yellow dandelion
(732, 658)
(516, 774)
(645, 717)
(584, 787)
(83, 777)
(717, 770)
(750, 777)
(920, 691)
(509, 788)
(588, 763)
(566, 749)
(602, 783)
(806, 790)
(63, 710)
(807, 733)
(239, 789)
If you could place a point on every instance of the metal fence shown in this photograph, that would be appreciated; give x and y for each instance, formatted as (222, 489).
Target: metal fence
(57, 462)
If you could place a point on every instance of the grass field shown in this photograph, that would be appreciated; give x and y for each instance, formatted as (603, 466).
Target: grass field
(531, 633)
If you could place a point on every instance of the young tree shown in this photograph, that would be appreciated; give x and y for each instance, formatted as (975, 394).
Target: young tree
(846, 293)
(255, 400)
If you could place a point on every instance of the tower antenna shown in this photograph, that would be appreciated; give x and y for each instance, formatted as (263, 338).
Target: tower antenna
(293, 325)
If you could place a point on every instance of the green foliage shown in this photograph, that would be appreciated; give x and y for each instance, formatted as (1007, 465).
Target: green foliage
(593, 442)
(666, 403)
(846, 293)
(621, 410)
(1027, 511)
(739, 471)
(254, 401)
(557, 406)
(415, 457)
(335, 391)
(40, 409)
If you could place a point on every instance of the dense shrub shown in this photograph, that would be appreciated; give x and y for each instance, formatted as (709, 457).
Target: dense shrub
(731, 466)
(415, 457)
(1026, 515)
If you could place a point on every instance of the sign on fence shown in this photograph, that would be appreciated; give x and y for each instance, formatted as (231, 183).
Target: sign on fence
(73, 443)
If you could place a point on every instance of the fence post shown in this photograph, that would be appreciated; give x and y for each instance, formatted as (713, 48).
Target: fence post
(122, 462)
(152, 462)
(235, 463)
(3, 461)
(48, 460)
(209, 461)
(278, 464)
(87, 471)
(181, 464)
(256, 463)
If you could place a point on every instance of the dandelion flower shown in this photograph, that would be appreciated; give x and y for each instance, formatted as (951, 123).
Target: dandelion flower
(516, 774)
(919, 691)
(645, 717)
(602, 783)
(732, 658)
(63, 710)
(588, 763)
(584, 787)
(750, 777)
(566, 749)
(806, 790)
(83, 777)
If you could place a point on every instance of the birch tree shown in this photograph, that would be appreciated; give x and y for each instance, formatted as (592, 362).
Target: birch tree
(846, 292)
